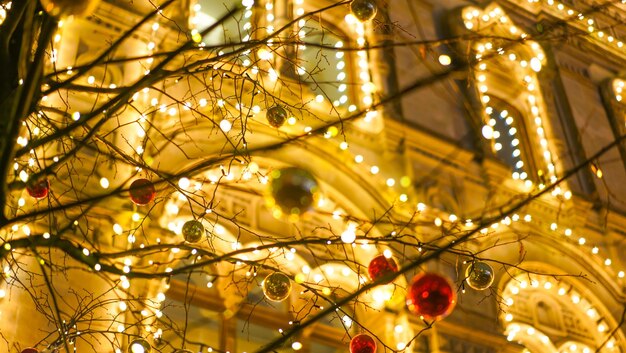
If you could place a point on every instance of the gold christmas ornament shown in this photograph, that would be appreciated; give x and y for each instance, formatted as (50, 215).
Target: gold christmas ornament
(364, 10)
(276, 116)
(193, 231)
(63, 8)
(139, 346)
(276, 287)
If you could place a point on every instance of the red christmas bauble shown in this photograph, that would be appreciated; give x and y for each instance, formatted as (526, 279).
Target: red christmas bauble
(380, 266)
(431, 296)
(142, 192)
(362, 344)
(30, 350)
(39, 189)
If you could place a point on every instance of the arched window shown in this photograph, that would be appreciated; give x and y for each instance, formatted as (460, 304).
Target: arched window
(305, 54)
(546, 315)
(235, 29)
(506, 83)
(324, 69)
(507, 132)
(339, 77)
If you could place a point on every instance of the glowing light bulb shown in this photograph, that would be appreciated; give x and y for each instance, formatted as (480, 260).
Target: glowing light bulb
(445, 60)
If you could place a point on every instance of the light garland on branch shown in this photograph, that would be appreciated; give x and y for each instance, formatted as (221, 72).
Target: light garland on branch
(330, 274)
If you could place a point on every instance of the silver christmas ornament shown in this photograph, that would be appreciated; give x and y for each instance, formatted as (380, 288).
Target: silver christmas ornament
(479, 275)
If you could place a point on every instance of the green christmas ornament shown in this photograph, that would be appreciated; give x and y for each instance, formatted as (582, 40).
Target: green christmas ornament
(479, 275)
(276, 116)
(193, 231)
(294, 190)
(139, 346)
(364, 10)
(276, 286)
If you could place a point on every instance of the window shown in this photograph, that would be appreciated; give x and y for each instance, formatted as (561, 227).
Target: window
(320, 66)
(507, 133)
(305, 54)
(237, 28)
(541, 311)
(507, 70)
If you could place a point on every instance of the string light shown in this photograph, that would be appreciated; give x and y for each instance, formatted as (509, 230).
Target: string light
(515, 328)
(477, 20)
(535, 64)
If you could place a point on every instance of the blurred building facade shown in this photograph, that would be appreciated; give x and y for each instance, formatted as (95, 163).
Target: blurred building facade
(506, 98)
